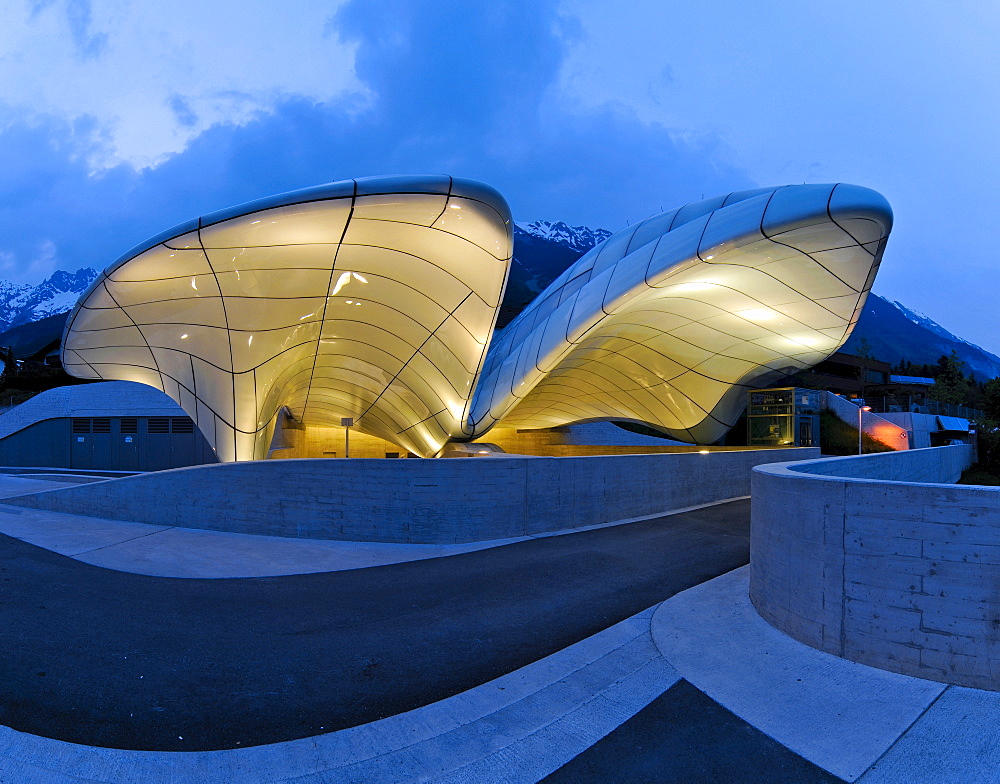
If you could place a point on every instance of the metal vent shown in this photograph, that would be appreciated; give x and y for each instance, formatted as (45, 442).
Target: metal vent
(181, 425)
(81, 425)
(159, 425)
(101, 425)
(130, 425)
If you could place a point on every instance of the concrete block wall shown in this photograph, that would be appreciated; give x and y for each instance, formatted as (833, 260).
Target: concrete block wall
(848, 557)
(313, 441)
(419, 501)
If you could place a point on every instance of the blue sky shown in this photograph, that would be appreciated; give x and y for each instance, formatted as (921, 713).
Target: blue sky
(119, 118)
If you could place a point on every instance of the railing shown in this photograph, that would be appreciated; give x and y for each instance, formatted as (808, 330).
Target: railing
(902, 403)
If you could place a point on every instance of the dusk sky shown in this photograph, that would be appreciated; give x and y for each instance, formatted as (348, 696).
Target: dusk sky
(119, 119)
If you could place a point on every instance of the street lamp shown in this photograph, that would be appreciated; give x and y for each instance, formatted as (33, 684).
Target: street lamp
(861, 410)
(346, 423)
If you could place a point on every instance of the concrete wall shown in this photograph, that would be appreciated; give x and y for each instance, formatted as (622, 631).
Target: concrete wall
(875, 425)
(314, 441)
(903, 575)
(428, 501)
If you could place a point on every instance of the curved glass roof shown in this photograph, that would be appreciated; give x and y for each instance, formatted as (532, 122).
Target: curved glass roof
(375, 300)
(668, 322)
(369, 299)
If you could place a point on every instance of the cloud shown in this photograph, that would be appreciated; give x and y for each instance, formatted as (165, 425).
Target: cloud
(466, 89)
(88, 43)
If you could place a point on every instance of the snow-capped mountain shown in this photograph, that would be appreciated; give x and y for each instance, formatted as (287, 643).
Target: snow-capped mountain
(895, 332)
(928, 323)
(578, 238)
(24, 303)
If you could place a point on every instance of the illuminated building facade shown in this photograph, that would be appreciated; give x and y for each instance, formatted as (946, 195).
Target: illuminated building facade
(375, 300)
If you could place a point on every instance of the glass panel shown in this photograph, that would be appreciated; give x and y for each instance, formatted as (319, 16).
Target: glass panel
(476, 268)
(261, 314)
(477, 223)
(418, 208)
(206, 311)
(298, 224)
(209, 343)
(134, 293)
(161, 262)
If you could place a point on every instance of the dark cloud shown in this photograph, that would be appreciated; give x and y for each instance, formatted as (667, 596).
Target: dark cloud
(455, 87)
(182, 110)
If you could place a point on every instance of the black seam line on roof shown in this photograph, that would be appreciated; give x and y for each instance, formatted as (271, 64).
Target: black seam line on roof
(338, 387)
(686, 369)
(784, 244)
(85, 362)
(552, 386)
(591, 408)
(294, 325)
(559, 416)
(447, 200)
(467, 428)
(418, 351)
(326, 293)
(355, 196)
(562, 389)
(538, 388)
(816, 261)
(95, 284)
(767, 274)
(403, 365)
(433, 416)
(836, 223)
(201, 220)
(372, 220)
(852, 244)
(589, 333)
(194, 390)
(209, 299)
(593, 405)
(764, 272)
(146, 342)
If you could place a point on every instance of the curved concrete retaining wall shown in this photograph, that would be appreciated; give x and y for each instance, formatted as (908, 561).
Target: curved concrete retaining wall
(420, 501)
(849, 557)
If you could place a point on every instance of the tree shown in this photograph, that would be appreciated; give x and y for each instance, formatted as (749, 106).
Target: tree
(9, 368)
(950, 384)
(867, 356)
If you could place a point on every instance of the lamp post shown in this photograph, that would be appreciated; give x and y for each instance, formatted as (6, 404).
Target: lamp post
(861, 410)
(346, 422)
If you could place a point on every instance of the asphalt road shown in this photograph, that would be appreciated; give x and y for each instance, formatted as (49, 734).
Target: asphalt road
(105, 658)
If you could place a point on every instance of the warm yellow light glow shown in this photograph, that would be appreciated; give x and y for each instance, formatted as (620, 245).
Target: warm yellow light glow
(756, 314)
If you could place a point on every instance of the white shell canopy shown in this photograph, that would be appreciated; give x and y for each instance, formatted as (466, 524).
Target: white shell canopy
(371, 299)
(375, 299)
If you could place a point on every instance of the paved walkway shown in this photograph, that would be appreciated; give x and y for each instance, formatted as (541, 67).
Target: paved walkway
(695, 689)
